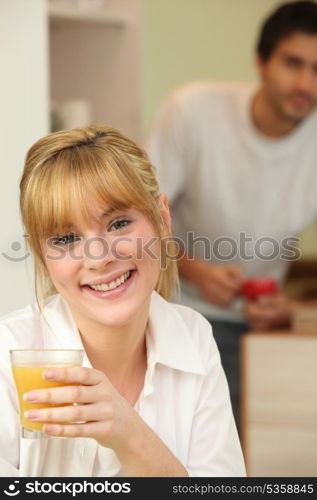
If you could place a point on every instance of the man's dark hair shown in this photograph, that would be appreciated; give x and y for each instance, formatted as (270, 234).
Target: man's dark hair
(300, 16)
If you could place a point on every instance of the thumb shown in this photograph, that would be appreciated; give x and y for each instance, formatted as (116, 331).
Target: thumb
(236, 273)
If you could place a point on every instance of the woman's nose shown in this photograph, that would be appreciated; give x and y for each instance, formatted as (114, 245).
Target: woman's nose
(97, 252)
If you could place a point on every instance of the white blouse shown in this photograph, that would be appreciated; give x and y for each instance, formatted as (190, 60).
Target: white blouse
(185, 398)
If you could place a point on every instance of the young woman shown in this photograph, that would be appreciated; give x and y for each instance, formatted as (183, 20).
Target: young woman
(152, 398)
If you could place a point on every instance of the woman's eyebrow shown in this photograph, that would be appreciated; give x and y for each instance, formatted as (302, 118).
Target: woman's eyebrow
(107, 213)
(116, 210)
(70, 225)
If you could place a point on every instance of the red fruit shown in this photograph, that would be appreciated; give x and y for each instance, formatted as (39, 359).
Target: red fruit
(252, 288)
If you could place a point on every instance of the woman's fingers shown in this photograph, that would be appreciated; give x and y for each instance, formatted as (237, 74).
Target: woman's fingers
(90, 429)
(65, 414)
(67, 394)
(86, 386)
(74, 375)
(61, 395)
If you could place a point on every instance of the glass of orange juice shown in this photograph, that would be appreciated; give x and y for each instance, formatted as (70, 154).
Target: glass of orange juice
(28, 366)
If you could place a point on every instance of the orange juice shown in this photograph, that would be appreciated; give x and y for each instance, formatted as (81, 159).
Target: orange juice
(28, 378)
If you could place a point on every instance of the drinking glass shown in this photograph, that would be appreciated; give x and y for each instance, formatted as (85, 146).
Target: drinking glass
(28, 366)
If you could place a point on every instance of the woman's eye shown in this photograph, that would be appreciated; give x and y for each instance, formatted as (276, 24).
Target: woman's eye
(67, 239)
(119, 224)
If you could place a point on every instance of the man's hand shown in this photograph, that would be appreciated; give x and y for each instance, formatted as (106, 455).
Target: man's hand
(268, 312)
(218, 285)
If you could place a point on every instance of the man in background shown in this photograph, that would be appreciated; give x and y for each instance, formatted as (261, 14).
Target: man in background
(239, 165)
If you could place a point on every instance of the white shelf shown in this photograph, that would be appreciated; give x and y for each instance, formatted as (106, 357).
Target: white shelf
(59, 11)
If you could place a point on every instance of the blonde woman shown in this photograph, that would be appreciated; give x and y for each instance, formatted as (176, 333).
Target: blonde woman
(152, 396)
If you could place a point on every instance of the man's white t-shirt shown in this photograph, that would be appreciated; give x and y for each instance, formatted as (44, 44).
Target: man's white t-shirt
(185, 398)
(240, 196)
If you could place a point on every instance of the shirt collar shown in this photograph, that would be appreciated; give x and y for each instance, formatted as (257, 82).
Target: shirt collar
(169, 339)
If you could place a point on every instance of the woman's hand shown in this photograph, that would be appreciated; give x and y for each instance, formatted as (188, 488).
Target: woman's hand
(101, 412)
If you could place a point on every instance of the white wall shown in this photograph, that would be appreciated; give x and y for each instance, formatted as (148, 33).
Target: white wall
(188, 40)
(24, 118)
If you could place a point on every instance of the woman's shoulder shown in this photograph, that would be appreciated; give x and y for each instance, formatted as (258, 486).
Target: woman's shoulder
(20, 324)
(25, 328)
(36, 327)
(192, 317)
(25, 314)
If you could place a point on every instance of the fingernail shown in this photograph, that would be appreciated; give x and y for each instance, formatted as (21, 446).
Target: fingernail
(30, 396)
(48, 428)
(31, 414)
(48, 374)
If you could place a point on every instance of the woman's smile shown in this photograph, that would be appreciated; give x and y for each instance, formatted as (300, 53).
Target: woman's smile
(111, 289)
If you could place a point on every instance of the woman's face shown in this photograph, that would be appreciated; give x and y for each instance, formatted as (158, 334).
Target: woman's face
(106, 273)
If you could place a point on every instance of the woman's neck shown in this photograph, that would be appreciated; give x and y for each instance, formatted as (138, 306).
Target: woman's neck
(115, 356)
(119, 352)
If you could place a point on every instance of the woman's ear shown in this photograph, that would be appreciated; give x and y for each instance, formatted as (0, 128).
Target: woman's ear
(165, 211)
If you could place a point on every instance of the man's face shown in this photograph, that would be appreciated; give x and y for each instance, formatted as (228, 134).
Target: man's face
(289, 76)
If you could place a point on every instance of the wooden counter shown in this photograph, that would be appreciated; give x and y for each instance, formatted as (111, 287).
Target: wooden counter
(279, 403)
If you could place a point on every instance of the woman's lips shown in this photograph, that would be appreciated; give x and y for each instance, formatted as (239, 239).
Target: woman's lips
(111, 293)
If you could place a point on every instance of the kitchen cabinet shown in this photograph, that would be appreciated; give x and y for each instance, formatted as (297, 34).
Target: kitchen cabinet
(279, 404)
(94, 63)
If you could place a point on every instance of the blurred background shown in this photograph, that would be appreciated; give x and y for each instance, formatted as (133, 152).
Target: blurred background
(68, 63)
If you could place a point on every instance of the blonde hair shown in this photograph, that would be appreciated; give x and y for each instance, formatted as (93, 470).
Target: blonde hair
(64, 170)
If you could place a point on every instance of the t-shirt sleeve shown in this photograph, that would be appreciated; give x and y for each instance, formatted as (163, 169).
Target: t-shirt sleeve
(215, 448)
(9, 419)
(166, 145)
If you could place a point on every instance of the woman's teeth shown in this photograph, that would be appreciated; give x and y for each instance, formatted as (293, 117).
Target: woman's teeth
(113, 284)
